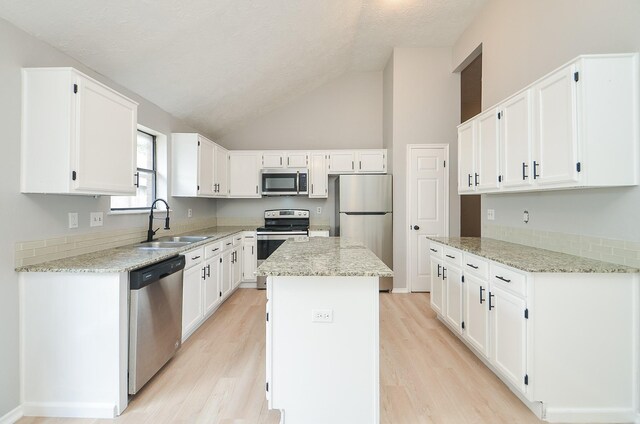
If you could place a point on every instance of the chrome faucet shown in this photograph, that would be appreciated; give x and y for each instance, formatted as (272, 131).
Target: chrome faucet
(151, 232)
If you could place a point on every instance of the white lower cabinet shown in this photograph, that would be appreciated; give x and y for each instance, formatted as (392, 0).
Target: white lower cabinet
(208, 280)
(249, 260)
(538, 332)
(476, 313)
(453, 298)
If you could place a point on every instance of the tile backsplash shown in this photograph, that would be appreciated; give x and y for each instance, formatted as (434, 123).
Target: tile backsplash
(37, 251)
(609, 250)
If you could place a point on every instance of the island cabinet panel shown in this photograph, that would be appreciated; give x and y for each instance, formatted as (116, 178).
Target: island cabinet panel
(561, 333)
(323, 372)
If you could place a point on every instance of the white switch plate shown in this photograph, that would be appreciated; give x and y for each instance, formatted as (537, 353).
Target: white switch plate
(491, 214)
(322, 315)
(73, 219)
(319, 210)
(189, 213)
(96, 219)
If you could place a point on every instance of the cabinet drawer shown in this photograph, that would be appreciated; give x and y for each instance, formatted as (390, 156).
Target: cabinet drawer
(193, 257)
(508, 279)
(435, 249)
(237, 239)
(475, 265)
(227, 243)
(249, 236)
(212, 249)
(452, 256)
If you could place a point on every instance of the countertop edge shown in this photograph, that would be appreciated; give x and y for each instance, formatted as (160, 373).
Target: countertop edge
(614, 268)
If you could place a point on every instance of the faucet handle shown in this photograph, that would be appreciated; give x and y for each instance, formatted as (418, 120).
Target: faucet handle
(166, 222)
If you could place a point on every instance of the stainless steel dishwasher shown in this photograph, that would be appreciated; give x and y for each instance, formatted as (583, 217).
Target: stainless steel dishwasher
(155, 319)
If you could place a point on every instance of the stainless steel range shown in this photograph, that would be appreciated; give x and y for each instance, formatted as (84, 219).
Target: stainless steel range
(279, 226)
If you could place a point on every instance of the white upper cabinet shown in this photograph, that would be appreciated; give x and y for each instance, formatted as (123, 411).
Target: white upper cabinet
(244, 174)
(556, 137)
(367, 161)
(206, 162)
(342, 162)
(578, 126)
(221, 171)
(78, 135)
(466, 156)
(318, 176)
(192, 165)
(297, 160)
(273, 160)
(515, 129)
(488, 176)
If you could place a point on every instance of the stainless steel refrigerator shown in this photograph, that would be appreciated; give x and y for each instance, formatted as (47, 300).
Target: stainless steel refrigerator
(364, 212)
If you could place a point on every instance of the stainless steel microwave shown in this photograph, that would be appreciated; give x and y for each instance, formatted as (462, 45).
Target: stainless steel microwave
(284, 182)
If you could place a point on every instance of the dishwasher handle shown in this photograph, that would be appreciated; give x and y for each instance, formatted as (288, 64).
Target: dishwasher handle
(142, 277)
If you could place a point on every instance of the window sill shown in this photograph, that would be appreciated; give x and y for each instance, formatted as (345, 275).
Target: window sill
(129, 212)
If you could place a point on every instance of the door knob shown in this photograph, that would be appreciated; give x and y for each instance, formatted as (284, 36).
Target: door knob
(415, 227)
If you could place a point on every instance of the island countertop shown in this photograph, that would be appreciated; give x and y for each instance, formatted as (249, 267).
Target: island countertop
(324, 256)
(530, 259)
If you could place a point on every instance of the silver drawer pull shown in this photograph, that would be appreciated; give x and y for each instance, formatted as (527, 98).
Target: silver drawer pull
(503, 279)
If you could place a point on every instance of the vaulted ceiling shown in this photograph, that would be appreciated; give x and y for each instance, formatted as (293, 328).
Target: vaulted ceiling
(218, 63)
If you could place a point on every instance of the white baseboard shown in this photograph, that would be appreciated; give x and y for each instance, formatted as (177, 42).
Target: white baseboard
(12, 416)
(69, 410)
(589, 415)
(248, 285)
(400, 290)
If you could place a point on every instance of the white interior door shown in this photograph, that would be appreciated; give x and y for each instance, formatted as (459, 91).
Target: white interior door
(428, 207)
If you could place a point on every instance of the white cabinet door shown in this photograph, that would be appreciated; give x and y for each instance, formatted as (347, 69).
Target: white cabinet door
(206, 159)
(319, 176)
(437, 286)
(226, 272)
(508, 336)
(342, 162)
(221, 187)
(515, 129)
(191, 299)
(237, 267)
(249, 262)
(476, 313)
(488, 152)
(371, 161)
(466, 157)
(211, 291)
(453, 296)
(556, 138)
(297, 159)
(105, 144)
(244, 174)
(319, 233)
(273, 160)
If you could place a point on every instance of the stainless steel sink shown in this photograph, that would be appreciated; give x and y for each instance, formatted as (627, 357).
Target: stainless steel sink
(180, 239)
(154, 245)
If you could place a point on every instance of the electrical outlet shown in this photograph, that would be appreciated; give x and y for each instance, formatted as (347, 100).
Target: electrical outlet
(491, 214)
(73, 219)
(319, 210)
(189, 213)
(525, 217)
(96, 219)
(322, 315)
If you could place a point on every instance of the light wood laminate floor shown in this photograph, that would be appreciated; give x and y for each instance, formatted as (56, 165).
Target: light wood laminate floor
(427, 375)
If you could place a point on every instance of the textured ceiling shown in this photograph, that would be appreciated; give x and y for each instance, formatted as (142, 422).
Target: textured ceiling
(218, 63)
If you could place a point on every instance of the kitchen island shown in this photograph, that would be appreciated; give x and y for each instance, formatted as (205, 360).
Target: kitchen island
(323, 331)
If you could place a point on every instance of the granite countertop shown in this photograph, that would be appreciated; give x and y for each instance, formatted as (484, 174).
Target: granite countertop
(320, 227)
(324, 256)
(127, 258)
(530, 259)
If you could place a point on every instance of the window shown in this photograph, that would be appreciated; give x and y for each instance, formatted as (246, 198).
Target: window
(145, 177)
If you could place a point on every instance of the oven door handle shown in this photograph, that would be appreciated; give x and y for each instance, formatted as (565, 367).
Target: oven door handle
(278, 237)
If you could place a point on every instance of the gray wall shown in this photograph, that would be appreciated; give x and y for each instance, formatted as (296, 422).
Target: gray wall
(345, 113)
(424, 109)
(28, 217)
(523, 40)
